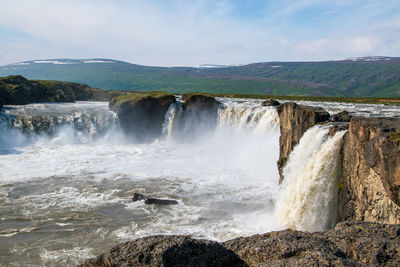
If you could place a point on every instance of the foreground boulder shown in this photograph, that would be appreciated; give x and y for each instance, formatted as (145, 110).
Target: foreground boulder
(369, 188)
(348, 244)
(295, 120)
(141, 115)
(199, 114)
(167, 251)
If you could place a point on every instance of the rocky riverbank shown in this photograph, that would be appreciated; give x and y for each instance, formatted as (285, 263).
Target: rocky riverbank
(348, 244)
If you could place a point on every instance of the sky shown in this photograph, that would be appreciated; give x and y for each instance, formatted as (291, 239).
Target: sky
(193, 32)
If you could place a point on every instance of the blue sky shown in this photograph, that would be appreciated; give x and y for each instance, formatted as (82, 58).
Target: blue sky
(189, 33)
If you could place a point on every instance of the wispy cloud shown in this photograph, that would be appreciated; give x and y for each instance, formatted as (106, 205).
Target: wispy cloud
(179, 32)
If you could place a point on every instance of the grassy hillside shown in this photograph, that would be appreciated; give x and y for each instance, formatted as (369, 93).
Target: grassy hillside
(360, 78)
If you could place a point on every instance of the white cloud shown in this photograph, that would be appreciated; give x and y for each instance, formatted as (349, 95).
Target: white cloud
(182, 32)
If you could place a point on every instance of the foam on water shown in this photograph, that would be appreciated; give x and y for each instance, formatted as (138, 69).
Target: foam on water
(73, 186)
(68, 175)
(308, 197)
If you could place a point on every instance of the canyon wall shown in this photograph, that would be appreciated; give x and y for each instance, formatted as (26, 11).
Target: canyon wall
(369, 188)
(369, 185)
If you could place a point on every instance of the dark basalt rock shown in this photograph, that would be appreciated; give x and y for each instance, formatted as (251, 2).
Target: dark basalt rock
(348, 244)
(343, 116)
(337, 127)
(199, 114)
(137, 197)
(16, 90)
(167, 251)
(270, 102)
(295, 120)
(159, 201)
(152, 200)
(141, 116)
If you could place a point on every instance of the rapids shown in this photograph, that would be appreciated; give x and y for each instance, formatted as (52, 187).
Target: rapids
(68, 175)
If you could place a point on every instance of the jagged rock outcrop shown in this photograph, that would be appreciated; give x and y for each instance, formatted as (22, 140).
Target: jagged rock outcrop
(199, 114)
(294, 121)
(167, 251)
(348, 244)
(141, 115)
(16, 90)
(343, 116)
(369, 188)
(270, 102)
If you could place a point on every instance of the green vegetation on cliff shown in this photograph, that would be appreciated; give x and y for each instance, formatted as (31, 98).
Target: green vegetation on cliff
(375, 77)
(16, 90)
(134, 97)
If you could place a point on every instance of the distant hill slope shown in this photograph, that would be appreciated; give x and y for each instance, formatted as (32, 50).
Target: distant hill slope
(368, 76)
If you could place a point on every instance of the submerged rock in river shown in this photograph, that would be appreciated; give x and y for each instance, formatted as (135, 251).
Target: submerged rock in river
(348, 244)
(152, 200)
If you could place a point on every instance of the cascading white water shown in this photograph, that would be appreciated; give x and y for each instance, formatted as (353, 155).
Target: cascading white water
(308, 197)
(171, 117)
(75, 186)
(79, 122)
(257, 119)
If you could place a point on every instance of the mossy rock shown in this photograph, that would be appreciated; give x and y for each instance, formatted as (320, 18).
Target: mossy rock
(395, 137)
(134, 98)
(16, 90)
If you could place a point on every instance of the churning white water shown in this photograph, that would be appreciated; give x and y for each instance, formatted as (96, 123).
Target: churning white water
(308, 199)
(68, 175)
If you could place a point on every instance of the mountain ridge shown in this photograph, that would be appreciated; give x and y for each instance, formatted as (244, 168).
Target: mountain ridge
(372, 76)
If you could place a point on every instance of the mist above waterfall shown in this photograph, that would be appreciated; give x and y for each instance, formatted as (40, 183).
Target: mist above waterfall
(75, 160)
(69, 170)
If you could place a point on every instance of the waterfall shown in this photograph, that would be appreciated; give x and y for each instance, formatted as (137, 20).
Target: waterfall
(171, 118)
(92, 120)
(69, 122)
(308, 196)
(251, 118)
(256, 119)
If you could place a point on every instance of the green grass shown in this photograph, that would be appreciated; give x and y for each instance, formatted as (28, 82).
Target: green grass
(332, 78)
(134, 97)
